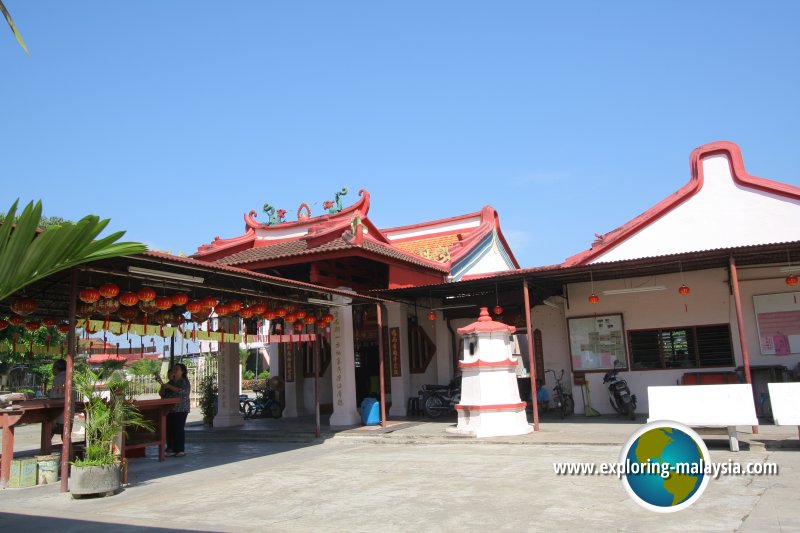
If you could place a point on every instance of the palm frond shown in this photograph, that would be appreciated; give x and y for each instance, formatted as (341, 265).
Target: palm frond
(13, 26)
(26, 257)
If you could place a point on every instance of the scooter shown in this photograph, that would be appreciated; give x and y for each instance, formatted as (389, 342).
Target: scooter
(619, 394)
(439, 400)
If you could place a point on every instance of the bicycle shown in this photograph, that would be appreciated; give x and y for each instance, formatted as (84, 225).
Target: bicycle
(562, 399)
(263, 404)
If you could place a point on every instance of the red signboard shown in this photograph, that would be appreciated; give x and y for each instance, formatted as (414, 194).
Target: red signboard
(394, 352)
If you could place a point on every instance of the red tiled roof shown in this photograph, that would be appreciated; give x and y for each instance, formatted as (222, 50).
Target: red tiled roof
(300, 248)
(430, 244)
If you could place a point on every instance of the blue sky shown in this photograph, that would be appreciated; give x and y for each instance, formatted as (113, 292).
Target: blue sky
(175, 118)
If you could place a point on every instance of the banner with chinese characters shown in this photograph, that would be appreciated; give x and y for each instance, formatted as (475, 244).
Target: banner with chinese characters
(189, 332)
(394, 352)
(289, 363)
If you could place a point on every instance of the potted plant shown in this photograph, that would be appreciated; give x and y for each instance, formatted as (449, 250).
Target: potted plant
(208, 399)
(109, 411)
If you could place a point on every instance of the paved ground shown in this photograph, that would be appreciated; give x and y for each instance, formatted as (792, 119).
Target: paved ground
(416, 480)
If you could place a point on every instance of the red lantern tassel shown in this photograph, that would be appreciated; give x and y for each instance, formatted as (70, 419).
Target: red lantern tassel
(161, 330)
(144, 323)
(194, 333)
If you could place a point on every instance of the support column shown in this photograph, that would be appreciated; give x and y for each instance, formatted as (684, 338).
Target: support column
(531, 358)
(396, 317)
(228, 383)
(444, 356)
(343, 364)
(737, 300)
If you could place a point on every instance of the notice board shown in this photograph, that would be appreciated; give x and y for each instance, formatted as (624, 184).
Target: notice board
(778, 322)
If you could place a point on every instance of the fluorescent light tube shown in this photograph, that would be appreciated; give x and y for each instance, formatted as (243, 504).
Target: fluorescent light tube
(164, 275)
(650, 288)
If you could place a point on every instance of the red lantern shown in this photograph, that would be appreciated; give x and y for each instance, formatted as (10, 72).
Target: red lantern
(593, 299)
(328, 317)
(234, 306)
(128, 299)
(164, 302)
(108, 290)
(89, 296)
(4, 324)
(146, 294)
(15, 320)
(49, 322)
(298, 326)
(85, 310)
(107, 306)
(24, 306)
(281, 311)
(194, 306)
(310, 320)
(259, 309)
(245, 312)
(269, 315)
(222, 309)
(498, 309)
(791, 280)
(128, 314)
(208, 302)
(683, 290)
(201, 316)
(63, 328)
(431, 315)
(148, 307)
(180, 299)
(33, 325)
(300, 315)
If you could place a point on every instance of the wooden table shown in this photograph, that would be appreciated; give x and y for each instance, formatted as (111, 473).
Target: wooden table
(29, 412)
(155, 411)
(46, 411)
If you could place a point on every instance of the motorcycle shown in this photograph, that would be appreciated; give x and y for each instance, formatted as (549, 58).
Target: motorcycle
(439, 400)
(619, 394)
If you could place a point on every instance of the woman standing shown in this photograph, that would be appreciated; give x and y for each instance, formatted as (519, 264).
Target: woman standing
(176, 419)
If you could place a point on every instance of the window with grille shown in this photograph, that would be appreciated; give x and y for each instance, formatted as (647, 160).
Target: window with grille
(685, 347)
(421, 348)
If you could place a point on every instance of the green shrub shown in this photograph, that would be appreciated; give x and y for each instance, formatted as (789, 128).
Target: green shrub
(264, 375)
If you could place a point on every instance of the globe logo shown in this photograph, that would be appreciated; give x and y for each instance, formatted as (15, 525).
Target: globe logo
(664, 466)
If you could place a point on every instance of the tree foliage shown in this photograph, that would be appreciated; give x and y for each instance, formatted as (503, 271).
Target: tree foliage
(27, 256)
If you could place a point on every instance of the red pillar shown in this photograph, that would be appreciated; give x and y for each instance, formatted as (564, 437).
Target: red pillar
(737, 300)
(531, 359)
(380, 365)
(69, 408)
(316, 382)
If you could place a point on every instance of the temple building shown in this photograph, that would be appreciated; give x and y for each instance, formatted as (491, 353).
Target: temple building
(344, 249)
(702, 286)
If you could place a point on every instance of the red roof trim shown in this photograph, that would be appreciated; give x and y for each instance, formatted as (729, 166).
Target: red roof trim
(421, 225)
(740, 176)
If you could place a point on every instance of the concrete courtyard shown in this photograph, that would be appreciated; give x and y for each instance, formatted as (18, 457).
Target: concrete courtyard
(354, 482)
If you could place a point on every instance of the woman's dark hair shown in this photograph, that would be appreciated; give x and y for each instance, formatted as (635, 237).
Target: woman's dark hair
(184, 370)
(59, 365)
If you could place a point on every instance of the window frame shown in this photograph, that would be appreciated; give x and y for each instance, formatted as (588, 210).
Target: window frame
(659, 331)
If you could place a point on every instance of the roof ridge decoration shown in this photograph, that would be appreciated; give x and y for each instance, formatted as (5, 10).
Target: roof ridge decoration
(607, 241)
(335, 210)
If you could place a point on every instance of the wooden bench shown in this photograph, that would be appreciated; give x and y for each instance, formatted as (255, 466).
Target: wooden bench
(710, 409)
(785, 401)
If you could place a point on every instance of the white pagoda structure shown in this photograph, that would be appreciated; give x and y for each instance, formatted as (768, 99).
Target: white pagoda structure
(490, 403)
